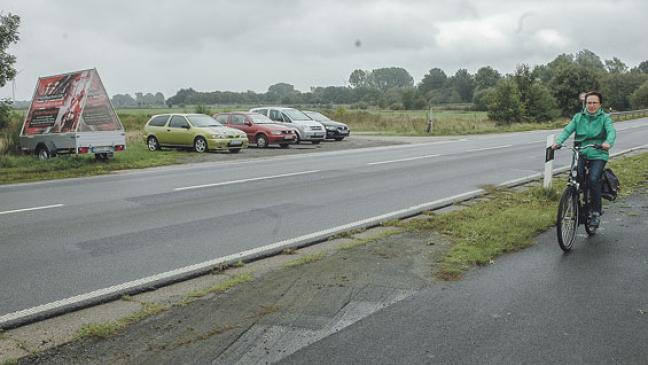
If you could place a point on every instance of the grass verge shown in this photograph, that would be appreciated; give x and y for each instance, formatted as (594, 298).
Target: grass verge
(103, 330)
(224, 286)
(305, 260)
(509, 221)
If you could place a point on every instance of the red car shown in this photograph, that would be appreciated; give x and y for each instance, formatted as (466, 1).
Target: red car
(260, 129)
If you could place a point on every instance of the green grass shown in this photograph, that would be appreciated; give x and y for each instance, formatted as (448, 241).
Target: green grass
(307, 259)
(104, 330)
(414, 122)
(19, 168)
(509, 221)
(221, 287)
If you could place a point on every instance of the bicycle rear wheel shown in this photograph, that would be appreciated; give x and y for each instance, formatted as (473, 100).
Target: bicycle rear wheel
(567, 218)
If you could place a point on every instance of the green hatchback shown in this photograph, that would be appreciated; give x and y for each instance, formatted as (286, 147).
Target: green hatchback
(198, 131)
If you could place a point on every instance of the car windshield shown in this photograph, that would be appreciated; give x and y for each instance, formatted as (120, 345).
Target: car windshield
(203, 121)
(261, 119)
(317, 116)
(295, 114)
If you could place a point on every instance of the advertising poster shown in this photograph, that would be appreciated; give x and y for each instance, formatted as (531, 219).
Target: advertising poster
(98, 114)
(57, 103)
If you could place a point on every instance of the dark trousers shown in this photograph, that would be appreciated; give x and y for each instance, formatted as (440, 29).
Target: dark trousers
(595, 184)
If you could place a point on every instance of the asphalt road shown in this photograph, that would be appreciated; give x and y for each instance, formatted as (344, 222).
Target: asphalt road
(538, 306)
(69, 237)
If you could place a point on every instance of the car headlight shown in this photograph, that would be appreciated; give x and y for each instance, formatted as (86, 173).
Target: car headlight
(217, 135)
(276, 132)
(330, 128)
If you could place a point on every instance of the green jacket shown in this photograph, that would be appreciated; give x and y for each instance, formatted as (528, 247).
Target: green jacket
(590, 129)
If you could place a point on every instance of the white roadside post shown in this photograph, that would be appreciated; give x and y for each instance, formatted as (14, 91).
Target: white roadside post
(549, 158)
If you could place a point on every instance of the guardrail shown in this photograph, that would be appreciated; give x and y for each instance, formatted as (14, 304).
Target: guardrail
(629, 114)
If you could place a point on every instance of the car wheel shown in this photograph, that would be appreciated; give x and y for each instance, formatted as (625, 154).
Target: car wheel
(200, 144)
(284, 145)
(261, 141)
(43, 153)
(152, 144)
(297, 138)
(315, 142)
(235, 150)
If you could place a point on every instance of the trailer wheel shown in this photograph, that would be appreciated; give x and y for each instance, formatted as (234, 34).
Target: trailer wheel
(43, 152)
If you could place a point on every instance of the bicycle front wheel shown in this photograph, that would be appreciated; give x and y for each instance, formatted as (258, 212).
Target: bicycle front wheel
(567, 219)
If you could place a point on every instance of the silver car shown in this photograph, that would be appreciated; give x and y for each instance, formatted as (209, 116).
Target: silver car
(306, 128)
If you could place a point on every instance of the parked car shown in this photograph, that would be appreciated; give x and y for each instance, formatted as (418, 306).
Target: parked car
(259, 129)
(334, 130)
(306, 128)
(198, 131)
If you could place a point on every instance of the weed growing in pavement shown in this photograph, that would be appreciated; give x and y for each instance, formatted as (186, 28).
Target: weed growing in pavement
(238, 264)
(361, 242)
(104, 330)
(9, 362)
(221, 287)
(305, 260)
(289, 251)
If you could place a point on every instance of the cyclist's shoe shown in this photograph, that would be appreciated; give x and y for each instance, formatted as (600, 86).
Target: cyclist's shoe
(596, 219)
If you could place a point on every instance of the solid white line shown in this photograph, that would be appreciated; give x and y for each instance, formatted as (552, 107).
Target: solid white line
(403, 159)
(489, 148)
(245, 180)
(30, 209)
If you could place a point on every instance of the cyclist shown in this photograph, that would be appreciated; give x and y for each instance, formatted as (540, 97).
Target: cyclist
(592, 126)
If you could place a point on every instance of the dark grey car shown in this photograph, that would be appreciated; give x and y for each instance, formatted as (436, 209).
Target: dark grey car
(334, 130)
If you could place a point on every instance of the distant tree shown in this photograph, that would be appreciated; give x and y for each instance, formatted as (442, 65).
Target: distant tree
(464, 84)
(359, 78)
(540, 105)
(387, 78)
(615, 65)
(643, 67)
(181, 97)
(8, 34)
(568, 83)
(482, 98)
(589, 59)
(505, 106)
(524, 78)
(486, 77)
(280, 91)
(409, 98)
(159, 98)
(639, 98)
(123, 101)
(435, 79)
(542, 73)
(562, 60)
(618, 87)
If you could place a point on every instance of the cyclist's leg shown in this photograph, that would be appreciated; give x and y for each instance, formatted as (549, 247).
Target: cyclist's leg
(595, 183)
(581, 171)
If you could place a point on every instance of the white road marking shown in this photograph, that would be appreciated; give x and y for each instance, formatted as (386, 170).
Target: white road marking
(489, 148)
(245, 180)
(402, 159)
(30, 209)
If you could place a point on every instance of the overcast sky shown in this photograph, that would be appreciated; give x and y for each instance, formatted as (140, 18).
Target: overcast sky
(162, 45)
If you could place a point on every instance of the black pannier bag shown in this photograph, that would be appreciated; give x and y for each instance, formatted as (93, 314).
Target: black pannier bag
(611, 185)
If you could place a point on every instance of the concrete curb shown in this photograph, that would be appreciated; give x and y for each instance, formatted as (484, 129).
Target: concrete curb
(49, 310)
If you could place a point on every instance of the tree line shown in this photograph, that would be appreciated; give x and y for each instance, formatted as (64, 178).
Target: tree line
(539, 93)
(141, 100)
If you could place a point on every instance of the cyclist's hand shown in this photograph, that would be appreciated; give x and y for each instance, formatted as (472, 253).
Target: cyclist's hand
(555, 146)
(606, 146)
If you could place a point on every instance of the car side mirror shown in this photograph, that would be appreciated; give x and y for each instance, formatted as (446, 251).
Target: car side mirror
(186, 127)
(248, 123)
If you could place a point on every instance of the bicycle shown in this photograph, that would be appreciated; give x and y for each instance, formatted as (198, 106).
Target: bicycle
(575, 207)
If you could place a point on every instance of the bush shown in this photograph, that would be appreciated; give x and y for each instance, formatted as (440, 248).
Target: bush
(505, 106)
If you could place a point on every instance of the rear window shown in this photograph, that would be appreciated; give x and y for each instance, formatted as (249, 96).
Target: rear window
(295, 114)
(159, 121)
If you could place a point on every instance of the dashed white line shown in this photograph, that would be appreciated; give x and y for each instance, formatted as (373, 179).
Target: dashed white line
(402, 159)
(489, 148)
(245, 180)
(30, 209)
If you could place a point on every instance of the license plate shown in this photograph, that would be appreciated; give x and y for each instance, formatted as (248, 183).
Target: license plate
(101, 149)
(235, 143)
